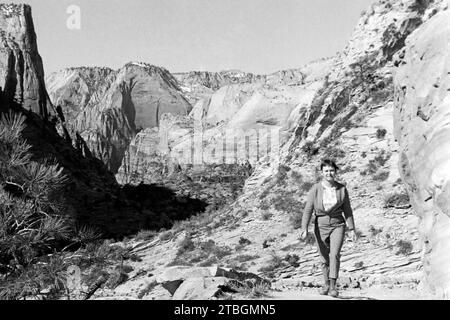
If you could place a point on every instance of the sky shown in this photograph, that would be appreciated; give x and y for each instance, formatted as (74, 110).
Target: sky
(258, 36)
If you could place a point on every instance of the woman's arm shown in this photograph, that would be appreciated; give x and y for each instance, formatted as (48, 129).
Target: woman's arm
(309, 207)
(348, 212)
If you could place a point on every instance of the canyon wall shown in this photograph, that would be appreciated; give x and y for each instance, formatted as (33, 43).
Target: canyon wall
(421, 122)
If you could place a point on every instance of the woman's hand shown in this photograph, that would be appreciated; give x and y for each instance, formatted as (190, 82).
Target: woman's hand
(304, 234)
(353, 235)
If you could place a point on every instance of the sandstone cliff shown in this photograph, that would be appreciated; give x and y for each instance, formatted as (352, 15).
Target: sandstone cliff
(421, 127)
(108, 107)
(22, 73)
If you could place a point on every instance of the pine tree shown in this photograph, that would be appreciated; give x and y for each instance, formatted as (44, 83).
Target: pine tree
(31, 207)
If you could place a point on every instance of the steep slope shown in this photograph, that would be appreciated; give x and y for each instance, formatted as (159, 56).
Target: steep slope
(108, 107)
(421, 127)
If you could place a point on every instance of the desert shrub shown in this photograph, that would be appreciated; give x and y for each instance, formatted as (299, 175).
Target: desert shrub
(348, 124)
(404, 247)
(381, 176)
(206, 253)
(286, 203)
(275, 263)
(333, 152)
(396, 199)
(282, 173)
(266, 242)
(244, 241)
(186, 245)
(306, 186)
(211, 247)
(419, 6)
(346, 169)
(250, 290)
(381, 133)
(292, 259)
(145, 235)
(382, 157)
(303, 185)
(310, 149)
(374, 164)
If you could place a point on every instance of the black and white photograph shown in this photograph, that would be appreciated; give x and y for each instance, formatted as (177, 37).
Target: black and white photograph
(233, 152)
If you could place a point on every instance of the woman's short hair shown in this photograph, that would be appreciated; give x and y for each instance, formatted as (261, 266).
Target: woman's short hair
(328, 163)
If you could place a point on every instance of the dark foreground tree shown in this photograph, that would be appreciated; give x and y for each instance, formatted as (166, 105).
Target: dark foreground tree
(32, 219)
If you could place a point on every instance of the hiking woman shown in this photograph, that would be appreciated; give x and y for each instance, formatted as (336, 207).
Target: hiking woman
(331, 204)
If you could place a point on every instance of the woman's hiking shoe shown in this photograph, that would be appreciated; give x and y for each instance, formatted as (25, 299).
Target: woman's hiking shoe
(333, 292)
(324, 291)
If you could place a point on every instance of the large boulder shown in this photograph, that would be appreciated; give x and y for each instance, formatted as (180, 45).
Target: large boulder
(200, 288)
(193, 283)
(173, 277)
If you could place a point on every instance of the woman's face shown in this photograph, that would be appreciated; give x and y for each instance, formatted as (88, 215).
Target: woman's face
(329, 173)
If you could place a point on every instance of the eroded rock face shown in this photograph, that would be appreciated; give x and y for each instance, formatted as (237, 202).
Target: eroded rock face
(21, 70)
(108, 107)
(422, 129)
(201, 84)
(266, 109)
